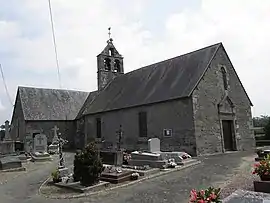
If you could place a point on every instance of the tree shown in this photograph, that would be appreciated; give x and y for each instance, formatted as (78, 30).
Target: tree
(267, 129)
(260, 121)
(87, 165)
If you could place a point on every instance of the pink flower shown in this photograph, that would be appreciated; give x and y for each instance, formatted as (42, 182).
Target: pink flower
(266, 173)
(193, 195)
(202, 193)
(201, 201)
(256, 165)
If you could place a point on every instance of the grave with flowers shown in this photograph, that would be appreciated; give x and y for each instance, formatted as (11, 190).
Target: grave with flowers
(262, 169)
(209, 195)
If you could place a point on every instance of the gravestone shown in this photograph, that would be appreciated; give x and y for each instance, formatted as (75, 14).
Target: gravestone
(28, 143)
(154, 145)
(112, 157)
(40, 148)
(40, 143)
(7, 134)
(7, 146)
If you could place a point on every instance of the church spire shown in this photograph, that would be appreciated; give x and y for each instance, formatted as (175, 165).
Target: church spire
(110, 63)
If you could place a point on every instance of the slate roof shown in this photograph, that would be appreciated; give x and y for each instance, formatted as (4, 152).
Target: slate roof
(87, 103)
(170, 79)
(51, 104)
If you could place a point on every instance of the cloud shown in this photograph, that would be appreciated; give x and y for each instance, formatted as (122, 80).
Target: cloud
(27, 53)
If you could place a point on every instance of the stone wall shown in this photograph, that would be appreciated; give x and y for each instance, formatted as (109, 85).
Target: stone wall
(206, 98)
(17, 123)
(175, 115)
(66, 128)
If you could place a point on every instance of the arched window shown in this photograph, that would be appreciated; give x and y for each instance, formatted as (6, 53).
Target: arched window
(107, 64)
(224, 77)
(111, 52)
(116, 65)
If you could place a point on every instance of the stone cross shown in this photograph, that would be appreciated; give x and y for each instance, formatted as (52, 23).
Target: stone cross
(55, 129)
(7, 135)
(61, 142)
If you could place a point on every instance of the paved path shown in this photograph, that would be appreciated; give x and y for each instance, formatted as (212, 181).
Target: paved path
(174, 187)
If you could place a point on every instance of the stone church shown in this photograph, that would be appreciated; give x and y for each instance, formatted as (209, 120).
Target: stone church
(194, 103)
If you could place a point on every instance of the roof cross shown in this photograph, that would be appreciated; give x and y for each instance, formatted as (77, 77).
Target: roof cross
(109, 32)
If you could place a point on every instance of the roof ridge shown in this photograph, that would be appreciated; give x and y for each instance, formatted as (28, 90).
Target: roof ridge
(45, 88)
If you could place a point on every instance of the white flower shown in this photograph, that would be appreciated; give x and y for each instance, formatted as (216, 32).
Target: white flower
(135, 174)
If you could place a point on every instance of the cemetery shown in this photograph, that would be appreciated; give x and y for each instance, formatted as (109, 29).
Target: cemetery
(96, 170)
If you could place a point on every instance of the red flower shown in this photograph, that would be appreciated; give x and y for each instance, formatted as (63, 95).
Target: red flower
(254, 172)
(201, 201)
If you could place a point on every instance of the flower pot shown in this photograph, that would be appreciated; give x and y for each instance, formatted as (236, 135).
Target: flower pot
(265, 177)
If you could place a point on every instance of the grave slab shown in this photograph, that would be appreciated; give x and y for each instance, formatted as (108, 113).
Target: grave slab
(244, 196)
(10, 162)
(115, 177)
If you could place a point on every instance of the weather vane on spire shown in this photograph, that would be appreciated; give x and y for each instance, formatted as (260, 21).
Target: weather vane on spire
(109, 32)
(110, 39)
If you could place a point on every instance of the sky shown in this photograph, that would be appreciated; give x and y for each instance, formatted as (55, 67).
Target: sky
(144, 32)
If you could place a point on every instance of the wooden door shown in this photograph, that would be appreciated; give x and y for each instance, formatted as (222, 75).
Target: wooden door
(227, 126)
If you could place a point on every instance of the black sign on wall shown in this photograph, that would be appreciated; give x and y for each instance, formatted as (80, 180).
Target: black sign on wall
(167, 132)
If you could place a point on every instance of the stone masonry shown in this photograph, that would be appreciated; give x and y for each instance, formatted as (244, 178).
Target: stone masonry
(206, 97)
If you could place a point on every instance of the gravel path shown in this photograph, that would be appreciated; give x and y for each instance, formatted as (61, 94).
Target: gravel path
(219, 170)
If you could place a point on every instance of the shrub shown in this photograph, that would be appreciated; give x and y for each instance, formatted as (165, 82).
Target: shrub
(56, 176)
(87, 165)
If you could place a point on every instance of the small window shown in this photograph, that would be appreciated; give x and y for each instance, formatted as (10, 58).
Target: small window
(143, 124)
(111, 52)
(224, 77)
(107, 64)
(98, 126)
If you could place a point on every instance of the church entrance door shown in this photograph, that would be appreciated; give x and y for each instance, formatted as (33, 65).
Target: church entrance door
(229, 141)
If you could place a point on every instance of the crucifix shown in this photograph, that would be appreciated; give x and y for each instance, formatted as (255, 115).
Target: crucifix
(61, 142)
(120, 135)
(55, 129)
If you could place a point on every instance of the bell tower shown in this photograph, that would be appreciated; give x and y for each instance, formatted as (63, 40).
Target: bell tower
(109, 63)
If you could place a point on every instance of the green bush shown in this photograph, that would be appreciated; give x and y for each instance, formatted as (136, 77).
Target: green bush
(87, 165)
(267, 129)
